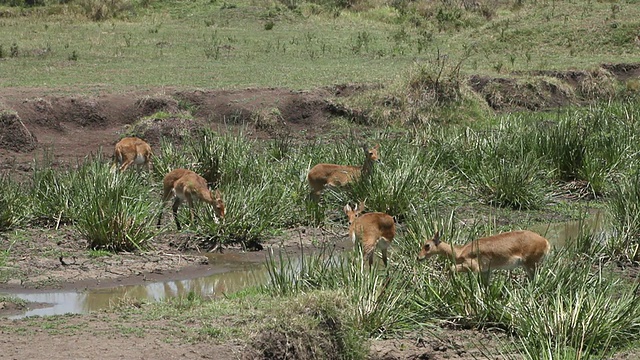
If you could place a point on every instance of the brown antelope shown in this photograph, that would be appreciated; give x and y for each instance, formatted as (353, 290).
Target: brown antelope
(132, 150)
(374, 230)
(323, 175)
(507, 251)
(185, 184)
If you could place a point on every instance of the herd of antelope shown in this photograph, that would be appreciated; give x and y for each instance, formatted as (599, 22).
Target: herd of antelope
(373, 230)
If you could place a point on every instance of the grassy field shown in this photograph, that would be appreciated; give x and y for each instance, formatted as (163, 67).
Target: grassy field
(234, 44)
(456, 176)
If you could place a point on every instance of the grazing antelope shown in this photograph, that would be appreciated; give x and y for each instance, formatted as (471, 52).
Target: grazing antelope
(375, 230)
(322, 175)
(507, 251)
(132, 150)
(185, 184)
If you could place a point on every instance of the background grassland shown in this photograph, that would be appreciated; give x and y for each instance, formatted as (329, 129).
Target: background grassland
(226, 44)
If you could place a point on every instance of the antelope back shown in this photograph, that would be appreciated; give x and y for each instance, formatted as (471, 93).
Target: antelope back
(523, 244)
(338, 175)
(371, 227)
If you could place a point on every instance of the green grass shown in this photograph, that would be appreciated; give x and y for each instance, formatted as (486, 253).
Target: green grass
(519, 162)
(14, 300)
(225, 44)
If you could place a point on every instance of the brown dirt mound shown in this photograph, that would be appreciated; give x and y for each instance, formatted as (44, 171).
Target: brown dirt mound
(14, 135)
(71, 127)
(75, 126)
(512, 93)
(623, 71)
(547, 89)
(176, 128)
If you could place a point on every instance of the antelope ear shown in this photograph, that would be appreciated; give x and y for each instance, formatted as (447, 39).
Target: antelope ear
(377, 147)
(361, 206)
(436, 238)
(347, 209)
(365, 148)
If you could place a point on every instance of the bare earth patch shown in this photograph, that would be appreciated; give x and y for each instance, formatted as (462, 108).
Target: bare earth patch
(104, 336)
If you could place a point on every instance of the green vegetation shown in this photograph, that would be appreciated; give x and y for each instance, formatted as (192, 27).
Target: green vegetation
(568, 311)
(522, 163)
(576, 305)
(448, 161)
(300, 44)
(13, 300)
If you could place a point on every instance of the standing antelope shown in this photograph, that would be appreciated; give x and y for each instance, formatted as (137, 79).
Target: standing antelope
(132, 150)
(507, 251)
(375, 230)
(185, 184)
(322, 175)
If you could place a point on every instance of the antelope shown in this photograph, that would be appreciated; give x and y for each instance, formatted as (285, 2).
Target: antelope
(322, 175)
(374, 230)
(507, 251)
(185, 184)
(132, 150)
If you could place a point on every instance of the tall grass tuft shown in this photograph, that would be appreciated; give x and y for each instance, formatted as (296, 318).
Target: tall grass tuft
(624, 207)
(117, 212)
(55, 199)
(253, 212)
(376, 296)
(517, 184)
(406, 180)
(501, 169)
(15, 204)
(572, 308)
(207, 152)
(168, 158)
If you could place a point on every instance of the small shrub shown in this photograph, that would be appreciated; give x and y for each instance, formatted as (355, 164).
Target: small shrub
(14, 51)
(97, 10)
(73, 56)
(598, 84)
(313, 326)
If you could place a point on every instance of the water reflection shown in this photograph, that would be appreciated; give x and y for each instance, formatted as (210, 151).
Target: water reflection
(97, 299)
(559, 233)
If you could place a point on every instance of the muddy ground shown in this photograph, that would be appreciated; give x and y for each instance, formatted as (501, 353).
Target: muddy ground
(69, 125)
